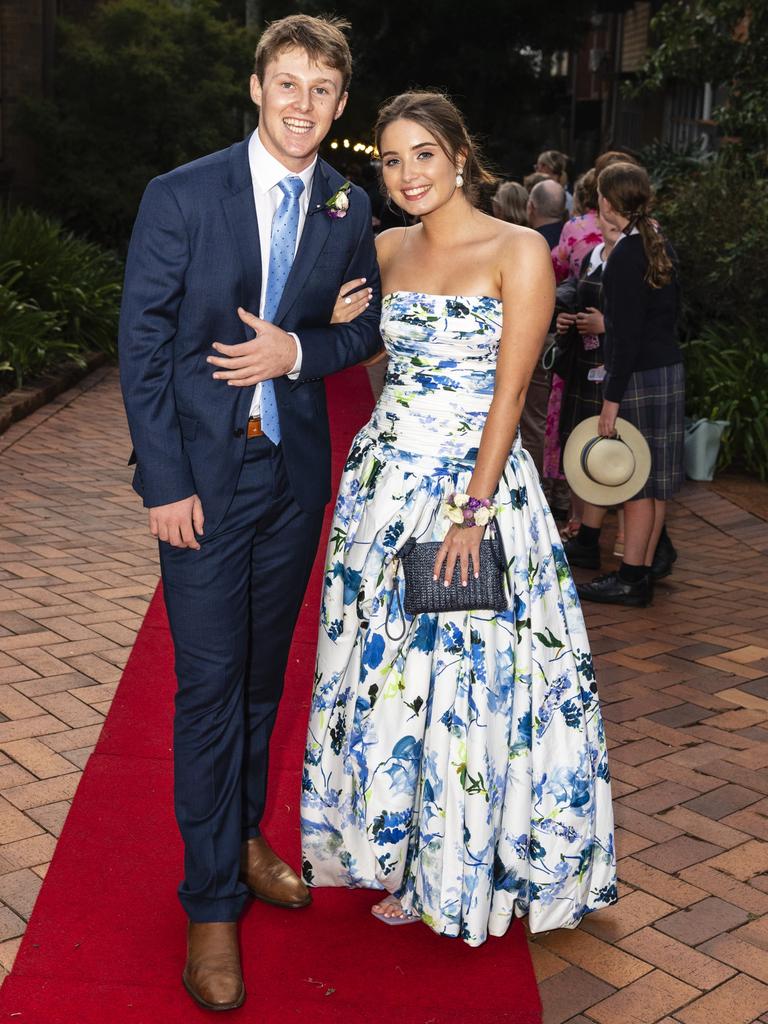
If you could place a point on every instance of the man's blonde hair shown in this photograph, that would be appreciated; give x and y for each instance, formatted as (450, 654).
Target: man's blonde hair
(322, 39)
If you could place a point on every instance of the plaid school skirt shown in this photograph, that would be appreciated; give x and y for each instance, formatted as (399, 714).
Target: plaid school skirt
(654, 402)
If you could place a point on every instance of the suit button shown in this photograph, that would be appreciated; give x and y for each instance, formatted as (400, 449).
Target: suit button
(238, 432)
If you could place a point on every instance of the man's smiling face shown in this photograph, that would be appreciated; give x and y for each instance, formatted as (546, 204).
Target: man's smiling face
(299, 100)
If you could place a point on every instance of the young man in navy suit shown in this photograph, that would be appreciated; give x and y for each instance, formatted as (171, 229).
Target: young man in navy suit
(227, 415)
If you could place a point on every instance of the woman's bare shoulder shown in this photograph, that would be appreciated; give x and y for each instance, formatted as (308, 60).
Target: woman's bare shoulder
(389, 241)
(518, 237)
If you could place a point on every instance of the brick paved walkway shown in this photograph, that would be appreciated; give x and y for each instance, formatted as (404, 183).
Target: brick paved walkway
(684, 686)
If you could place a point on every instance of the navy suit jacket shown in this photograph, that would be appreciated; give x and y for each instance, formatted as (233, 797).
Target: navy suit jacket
(194, 258)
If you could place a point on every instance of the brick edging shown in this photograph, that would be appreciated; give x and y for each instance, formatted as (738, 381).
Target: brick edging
(24, 401)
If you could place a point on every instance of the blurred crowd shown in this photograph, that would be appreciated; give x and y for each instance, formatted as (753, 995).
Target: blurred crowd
(568, 383)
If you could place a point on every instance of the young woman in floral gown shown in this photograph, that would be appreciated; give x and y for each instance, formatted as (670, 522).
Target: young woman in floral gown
(457, 760)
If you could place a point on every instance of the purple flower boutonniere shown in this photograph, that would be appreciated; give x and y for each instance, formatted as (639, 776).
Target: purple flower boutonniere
(338, 204)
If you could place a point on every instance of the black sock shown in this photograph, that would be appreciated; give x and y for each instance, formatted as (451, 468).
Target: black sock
(588, 536)
(632, 573)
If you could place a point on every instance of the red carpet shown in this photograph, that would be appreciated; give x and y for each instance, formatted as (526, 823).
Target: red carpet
(106, 941)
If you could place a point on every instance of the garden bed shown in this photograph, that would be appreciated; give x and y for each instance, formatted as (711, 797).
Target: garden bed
(21, 402)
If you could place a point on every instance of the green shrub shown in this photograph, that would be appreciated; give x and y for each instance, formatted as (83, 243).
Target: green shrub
(30, 338)
(59, 295)
(716, 216)
(727, 379)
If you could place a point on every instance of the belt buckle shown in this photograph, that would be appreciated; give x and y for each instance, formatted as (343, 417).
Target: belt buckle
(254, 427)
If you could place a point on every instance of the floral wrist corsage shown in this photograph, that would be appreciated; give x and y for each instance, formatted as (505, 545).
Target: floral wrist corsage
(465, 511)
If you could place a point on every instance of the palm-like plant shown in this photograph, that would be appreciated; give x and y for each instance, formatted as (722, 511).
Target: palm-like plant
(59, 295)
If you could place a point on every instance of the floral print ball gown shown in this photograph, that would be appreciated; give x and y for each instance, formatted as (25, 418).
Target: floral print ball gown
(462, 767)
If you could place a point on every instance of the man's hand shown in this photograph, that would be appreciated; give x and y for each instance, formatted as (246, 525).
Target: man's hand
(272, 353)
(178, 522)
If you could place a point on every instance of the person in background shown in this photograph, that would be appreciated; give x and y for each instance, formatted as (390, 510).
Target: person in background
(613, 156)
(645, 381)
(578, 237)
(533, 179)
(509, 203)
(554, 165)
(580, 325)
(545, 211)
(581, 233)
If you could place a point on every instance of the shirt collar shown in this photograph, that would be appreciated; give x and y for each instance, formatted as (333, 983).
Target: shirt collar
(266, 171)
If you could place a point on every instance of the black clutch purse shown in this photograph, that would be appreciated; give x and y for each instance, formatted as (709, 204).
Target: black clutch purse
(423, 594)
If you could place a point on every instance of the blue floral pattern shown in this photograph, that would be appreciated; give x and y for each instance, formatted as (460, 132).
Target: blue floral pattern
(462, 767)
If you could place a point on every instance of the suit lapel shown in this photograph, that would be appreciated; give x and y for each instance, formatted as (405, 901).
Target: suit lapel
(240, 212)
(313, 237)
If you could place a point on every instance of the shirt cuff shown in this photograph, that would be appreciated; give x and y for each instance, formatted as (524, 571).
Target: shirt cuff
(294, 374)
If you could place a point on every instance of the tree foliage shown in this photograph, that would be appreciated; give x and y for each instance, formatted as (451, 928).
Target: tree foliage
(723, 42)
(140, 87)
(493, 58)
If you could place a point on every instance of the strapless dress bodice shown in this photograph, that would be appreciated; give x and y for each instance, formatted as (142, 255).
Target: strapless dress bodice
(440, 379)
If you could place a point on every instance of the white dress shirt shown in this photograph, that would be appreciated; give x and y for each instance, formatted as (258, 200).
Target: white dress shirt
(266, 172)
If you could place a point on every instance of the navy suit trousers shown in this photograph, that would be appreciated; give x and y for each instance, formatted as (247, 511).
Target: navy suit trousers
(232, 608)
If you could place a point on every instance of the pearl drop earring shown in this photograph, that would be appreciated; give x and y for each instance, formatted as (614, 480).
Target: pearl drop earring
(459, 178)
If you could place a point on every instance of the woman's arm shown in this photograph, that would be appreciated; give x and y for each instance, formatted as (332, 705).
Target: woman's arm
(528, 295)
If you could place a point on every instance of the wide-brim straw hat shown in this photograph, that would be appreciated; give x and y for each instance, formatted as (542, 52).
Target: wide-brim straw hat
(606, 470)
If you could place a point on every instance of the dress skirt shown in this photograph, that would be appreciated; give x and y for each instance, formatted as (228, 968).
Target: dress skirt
(459, 764)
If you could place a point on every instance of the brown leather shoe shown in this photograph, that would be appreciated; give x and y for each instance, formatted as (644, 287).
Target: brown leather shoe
(212, 974)
(271, 879)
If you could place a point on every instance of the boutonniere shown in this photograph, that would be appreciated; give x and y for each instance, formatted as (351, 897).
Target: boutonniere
(338, 204)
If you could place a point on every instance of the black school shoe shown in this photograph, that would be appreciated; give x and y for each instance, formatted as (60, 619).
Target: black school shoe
(664, 557)
(584, 555)
(611, 589)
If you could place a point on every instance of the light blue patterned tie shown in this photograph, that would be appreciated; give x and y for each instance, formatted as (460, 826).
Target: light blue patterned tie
(282, 245)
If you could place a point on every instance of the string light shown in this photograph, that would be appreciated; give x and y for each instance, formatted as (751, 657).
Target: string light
(356, 147)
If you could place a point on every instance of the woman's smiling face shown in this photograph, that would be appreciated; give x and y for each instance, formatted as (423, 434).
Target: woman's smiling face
(417, 172)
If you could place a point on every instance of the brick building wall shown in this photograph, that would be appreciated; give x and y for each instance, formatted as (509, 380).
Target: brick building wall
(635, 31)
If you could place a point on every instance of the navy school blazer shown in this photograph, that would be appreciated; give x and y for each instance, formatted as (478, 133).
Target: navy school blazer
(194, 257)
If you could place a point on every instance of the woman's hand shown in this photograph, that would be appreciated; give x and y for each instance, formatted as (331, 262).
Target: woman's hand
(590, 322)
(564, 322)
(461, 544)
(351, 301)
(606, 425)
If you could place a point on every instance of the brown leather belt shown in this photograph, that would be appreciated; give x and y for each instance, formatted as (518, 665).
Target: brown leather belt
(254, 427)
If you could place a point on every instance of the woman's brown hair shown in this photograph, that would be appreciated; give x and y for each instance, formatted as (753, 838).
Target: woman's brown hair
(556, 163)
(510, 201)
(585, 192)
(440, 116)
(613, 156)
(321, 38)
(627, 188)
